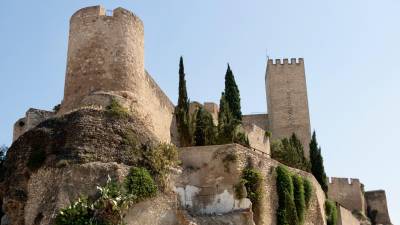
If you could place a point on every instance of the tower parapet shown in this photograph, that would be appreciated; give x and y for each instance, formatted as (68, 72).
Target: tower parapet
(287, 100)
(347, 192)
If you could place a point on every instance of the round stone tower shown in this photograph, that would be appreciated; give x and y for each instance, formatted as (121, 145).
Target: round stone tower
(105, 53)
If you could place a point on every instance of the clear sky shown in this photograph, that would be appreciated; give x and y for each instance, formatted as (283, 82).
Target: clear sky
(351, 50)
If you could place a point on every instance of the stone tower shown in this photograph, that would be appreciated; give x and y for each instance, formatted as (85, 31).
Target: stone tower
(105, 53)
(287, 100)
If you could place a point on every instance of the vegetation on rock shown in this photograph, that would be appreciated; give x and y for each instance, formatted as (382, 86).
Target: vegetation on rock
(330, 212)
(317, 163)
(114, 200)
(294, 196)
(290, 152)
(252, 180)
(114, 109)
(36, 158)
(182, 109)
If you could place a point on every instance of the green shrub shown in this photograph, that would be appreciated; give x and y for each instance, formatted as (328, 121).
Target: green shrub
(299, 198)
(116, 110)
(252, 180)
(268, 134)
(80, 212)
(36, 158)
(240, 189)
(140, 183)
(294, 194)
(307, 191)
(331, 212)
(290, 152)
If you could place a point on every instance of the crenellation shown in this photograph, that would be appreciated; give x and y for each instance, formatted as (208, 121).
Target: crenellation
(347, 192)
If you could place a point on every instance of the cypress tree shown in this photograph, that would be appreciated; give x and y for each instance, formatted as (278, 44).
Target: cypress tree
(317, 163)
(232, 95)
(205, 131)
(182, 109)
(224, 121)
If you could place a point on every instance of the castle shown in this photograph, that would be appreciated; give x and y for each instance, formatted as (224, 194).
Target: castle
(106, 61)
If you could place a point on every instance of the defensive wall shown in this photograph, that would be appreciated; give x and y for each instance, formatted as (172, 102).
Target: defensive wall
(347, 192)
(260, 120)
(377, 206)
(345, 217)
(287, 100)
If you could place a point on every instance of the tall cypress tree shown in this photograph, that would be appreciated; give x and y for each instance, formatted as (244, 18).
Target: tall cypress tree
(317, 163)
(182, 109)
(205, 131)
(224, 121)
(232, 95)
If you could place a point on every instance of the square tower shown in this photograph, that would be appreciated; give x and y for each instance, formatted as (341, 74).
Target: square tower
(287, 100)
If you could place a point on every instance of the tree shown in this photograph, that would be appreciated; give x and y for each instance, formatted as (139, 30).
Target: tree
(225, 122)
(205, 132)
(290, 152)
(182, 109)
(317, 163)
(232, 95)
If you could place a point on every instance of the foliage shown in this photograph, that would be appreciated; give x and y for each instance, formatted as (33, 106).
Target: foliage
(226, 123)
(268, 134)
(140, 183)
(317, 163)
(3, 152)
(240, 137)
(290, 152)
(36, 158)
(182, 109)
(307, 192)
(232, 95)
(205, 132)
(294, 194)
(330, 212)
(252, 180)
(299, 197)
(109, 208)
(240, 189)
(56, 108)
(116, 110)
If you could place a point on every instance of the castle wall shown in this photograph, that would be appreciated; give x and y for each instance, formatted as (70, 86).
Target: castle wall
(376, 200)
(257, 138)
(206, 185)
(106, 55)
(348, 194)
(260, 120)
(287, 100)
(345, 217)
(32, 118)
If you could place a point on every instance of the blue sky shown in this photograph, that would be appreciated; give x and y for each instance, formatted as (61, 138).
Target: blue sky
(351, 50)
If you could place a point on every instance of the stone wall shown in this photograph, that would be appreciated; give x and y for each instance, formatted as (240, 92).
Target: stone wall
(106, 56)
(287, 100)
(376, 200)
(32, 118)
(257, 138)
(261, 120)
(347, 193)
(345, 217)
(207, 183)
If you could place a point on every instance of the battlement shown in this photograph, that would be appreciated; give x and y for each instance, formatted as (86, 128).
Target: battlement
(285, 61)
(344, 181)
(100, 11)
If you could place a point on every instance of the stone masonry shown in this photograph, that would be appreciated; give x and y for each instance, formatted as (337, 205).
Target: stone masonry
(376, 201)
(347, 193)
(287, 100)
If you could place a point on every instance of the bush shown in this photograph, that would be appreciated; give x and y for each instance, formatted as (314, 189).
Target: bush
(80, 212)
(240, 189)
(252, 180)
(307, 191)
(331, 212)
(294, 194)
(299, 198)
(290, 152)
(140, 184)
(268, 134)
(116, 110)
(36, 158)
